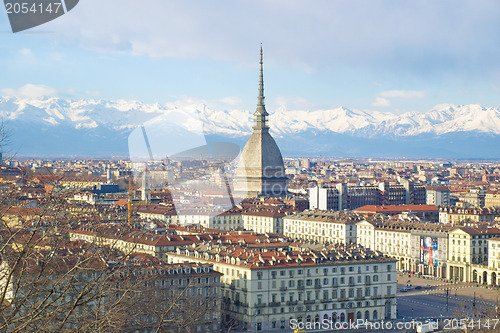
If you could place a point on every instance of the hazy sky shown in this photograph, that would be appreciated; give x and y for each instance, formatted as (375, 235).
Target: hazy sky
(370, 55)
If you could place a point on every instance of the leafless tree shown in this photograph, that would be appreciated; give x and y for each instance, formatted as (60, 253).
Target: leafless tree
(475, 316)
(51, 284)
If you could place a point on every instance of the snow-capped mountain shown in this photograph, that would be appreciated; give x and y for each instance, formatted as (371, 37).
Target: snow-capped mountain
(56, 126)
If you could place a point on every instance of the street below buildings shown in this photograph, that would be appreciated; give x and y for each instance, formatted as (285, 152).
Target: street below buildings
(440, 299)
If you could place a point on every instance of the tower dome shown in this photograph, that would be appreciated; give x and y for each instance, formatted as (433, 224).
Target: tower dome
(260, 169)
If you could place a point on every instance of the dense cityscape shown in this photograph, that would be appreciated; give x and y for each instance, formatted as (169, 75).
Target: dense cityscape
(263, 244)
(141, 189)
(268, 259)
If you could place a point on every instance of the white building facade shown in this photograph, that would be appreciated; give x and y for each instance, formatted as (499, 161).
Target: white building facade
(267, 290)
(322, 226)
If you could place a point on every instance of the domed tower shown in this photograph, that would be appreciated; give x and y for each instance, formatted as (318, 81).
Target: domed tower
(260, 169)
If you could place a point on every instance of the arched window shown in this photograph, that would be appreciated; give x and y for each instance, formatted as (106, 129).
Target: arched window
(367, 315)
(375, 315)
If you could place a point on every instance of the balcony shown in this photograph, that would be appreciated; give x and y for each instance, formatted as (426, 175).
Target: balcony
(300, 287)
(232, 287)
(244, 289)
(260, 305)
(342, 299)
(244, 305)
(335, 285)
(283, 288)
(359, 298)
(275, 304)
(352, 284)
(325, 300)
(317, 286)
(291, 303)
(311, 301)
(368, 283)
(376, 297)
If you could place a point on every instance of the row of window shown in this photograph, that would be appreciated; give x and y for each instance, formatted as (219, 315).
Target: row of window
(326, 281)
(325, 271)
(325, 225)
(342, 293)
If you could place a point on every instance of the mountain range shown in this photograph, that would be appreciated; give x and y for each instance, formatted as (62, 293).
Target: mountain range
(62, 127)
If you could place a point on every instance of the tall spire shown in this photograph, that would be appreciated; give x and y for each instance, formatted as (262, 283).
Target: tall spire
(261, 80)
(261, 113)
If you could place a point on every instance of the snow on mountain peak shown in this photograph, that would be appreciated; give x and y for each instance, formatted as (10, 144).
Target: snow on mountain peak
(124, 115)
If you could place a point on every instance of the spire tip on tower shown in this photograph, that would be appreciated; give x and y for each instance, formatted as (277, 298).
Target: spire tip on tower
(261, 113)
(261, 79)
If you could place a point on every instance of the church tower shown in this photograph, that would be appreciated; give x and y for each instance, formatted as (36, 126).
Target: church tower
(260, 169)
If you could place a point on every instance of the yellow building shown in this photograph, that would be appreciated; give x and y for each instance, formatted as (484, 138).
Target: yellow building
(468, 252)
(267, 290)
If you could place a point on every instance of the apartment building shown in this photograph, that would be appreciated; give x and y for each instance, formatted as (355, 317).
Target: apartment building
(258, 218)
(417, 247)
(322, 226)
(264, 219)
(460, 215)
(475, 197)
(325, 198)
(468, 253)
(264, 290)
(155, 212)
(492, 199)
(344, 196)
(438, 195)
(68, 289)
(494, 260)
(228, 220)
(130, 240)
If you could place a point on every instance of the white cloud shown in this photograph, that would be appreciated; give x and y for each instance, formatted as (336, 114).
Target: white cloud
(404, 94)
(231, 100)
(26, 52)
(381, 102)
(30, 91)
(418, 36)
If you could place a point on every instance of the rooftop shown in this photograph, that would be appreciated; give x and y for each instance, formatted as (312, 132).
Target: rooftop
(327, 216)
(251, 258)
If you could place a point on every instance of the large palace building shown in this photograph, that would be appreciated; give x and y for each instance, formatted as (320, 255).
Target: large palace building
(260, 169)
